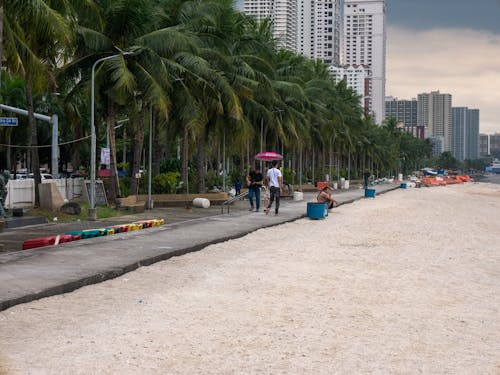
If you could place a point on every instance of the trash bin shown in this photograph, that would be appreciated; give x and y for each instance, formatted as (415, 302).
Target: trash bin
(316, 210)
(369, 193)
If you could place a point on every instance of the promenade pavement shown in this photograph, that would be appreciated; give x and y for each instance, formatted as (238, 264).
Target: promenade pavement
(32, 274)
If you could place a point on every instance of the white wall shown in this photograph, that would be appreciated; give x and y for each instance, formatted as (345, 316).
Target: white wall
(21, 193)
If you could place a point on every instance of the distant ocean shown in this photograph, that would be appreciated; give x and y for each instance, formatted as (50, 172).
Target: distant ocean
(491, 178)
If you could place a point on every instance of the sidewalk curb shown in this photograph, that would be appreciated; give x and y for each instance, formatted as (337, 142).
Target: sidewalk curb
(121, 270)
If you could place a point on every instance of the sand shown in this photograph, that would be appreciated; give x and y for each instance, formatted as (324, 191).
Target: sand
(407, 283)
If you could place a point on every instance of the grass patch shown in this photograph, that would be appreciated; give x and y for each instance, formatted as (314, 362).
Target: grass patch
(102, 213)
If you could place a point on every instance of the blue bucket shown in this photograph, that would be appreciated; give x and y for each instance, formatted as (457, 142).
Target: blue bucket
(403, 185)
(369, 193)
(316, 210)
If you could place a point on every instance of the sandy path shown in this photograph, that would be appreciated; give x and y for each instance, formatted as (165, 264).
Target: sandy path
(406, 283)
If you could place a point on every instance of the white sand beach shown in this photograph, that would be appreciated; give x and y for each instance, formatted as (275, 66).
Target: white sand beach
(406, 283)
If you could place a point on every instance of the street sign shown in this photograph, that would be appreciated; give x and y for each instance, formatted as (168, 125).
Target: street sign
(8, 121)
(105, 156)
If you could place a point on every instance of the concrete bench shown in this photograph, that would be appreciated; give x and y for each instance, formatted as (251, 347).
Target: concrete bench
(131, 204)
(183, 200)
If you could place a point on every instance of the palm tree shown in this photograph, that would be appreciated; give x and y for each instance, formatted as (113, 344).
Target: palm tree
(37, 34)
(141, 81)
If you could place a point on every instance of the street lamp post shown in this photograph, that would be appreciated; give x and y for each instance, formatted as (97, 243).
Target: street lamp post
(150, 172)
(261, 139)
(92, 213)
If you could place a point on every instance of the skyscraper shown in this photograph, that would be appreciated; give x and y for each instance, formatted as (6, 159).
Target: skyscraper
(484, 145)
(357, 78)
(404, 111)
(495, 145)
(434, 113)
(307, 27)
(459, 125)
(465, 133)
(318, 35)
(283, 15)
(472, 135)
(364, 43)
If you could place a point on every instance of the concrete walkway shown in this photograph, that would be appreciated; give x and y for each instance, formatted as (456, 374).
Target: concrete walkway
(29, 275)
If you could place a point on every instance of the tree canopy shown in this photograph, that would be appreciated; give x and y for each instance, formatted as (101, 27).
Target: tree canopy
(212, 82)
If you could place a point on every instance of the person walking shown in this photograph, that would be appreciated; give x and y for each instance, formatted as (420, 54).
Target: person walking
(237, 186)
(366, 178)
(274, 180)
(254, 182)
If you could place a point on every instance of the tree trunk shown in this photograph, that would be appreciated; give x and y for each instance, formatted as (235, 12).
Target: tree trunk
(75, 148)
(156, 148)
(200, 164)
(168, 141)
(248, 161)
(184, 159)
(114, 188)
(218, 161)
(35, 161)
(9, 150)
(138, 143)
(242, 163)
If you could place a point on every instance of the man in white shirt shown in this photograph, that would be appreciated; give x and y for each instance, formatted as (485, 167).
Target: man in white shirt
(274, 180)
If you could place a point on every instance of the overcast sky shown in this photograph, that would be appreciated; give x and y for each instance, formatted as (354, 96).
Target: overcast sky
(448, 45)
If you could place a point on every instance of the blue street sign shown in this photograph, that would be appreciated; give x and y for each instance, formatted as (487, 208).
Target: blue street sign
(8, 121)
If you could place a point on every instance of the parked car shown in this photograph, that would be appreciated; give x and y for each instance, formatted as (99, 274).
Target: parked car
(22, 174)
(45, 176)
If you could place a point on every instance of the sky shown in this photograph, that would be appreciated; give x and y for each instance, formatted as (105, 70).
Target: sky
(448, 45)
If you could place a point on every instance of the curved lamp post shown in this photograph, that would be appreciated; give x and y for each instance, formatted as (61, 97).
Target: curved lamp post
(92, 210)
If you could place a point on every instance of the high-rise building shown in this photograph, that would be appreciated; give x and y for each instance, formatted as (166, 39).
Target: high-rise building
(472, 135)
(364, 43)
(434, 113)
(357, 78)
(307, 27)
(404, 111)
(459, 126)
(495, 145)
(437, 143)
(318, 35)
(283, 15)
(465, 133)
(484, 145)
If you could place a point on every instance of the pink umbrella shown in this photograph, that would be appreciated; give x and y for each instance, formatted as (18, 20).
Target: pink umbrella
(267, 156)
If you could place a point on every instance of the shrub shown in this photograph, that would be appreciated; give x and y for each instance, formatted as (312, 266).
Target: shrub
(166, 183)
(212, 179)
(125, 186)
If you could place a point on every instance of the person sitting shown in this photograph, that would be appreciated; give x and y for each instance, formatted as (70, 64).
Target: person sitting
(325, 196)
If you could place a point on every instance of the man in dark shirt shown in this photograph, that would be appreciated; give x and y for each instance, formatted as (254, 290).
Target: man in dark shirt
(366, 178)
(254, 183)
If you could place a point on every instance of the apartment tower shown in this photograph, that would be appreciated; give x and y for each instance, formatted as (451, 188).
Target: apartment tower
(364, 43)
(404, 111)
(318, 35)
(357, 78)
(434, 114)
(495, 145)
(307, 27)
(484, 145)
(472, 135)
(459, 126)
(283, 15)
